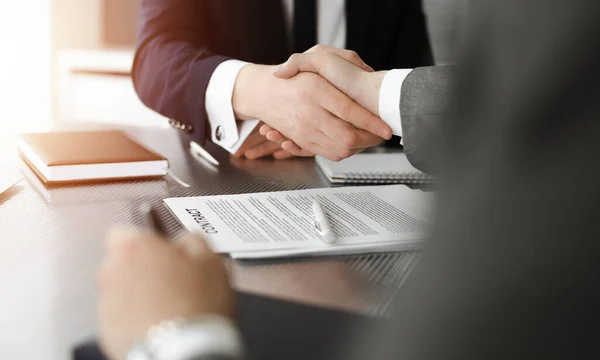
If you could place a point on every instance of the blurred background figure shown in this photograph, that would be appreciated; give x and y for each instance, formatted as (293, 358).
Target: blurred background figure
(25, 67)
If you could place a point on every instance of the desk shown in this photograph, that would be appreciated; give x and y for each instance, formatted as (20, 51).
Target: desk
(51, 247)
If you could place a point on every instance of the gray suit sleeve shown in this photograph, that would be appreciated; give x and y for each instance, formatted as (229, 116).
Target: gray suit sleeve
(426, 93)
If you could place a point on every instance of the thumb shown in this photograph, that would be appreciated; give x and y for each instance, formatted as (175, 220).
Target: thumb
(194, 245)
(286, 70)
(297, 63)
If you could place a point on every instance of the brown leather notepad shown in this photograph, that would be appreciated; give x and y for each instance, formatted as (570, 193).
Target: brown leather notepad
(84, 156)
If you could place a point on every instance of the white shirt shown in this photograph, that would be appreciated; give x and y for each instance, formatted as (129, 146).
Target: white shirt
(231, 134)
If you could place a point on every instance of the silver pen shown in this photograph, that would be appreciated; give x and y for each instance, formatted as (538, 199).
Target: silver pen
(322, 224)
(197, 149)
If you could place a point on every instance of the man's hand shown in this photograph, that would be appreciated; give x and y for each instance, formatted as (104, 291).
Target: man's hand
(343, 70)
(257, 146)
(145, 280)
(338, 66)
(308, 110)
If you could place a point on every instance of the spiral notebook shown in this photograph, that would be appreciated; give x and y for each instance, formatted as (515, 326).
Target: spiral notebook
(373, 168)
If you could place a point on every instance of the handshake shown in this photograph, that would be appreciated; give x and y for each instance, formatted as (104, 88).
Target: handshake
(323, 102)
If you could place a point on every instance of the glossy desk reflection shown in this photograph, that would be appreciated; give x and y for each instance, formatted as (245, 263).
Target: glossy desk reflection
(52, 247)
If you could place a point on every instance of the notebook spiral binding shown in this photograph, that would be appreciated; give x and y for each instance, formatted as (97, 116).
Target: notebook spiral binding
(385, 178)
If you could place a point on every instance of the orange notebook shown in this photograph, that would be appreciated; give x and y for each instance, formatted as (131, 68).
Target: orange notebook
(62, 157)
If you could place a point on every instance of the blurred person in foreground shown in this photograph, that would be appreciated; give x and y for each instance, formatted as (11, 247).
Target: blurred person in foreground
(511, 271)
(207, 65)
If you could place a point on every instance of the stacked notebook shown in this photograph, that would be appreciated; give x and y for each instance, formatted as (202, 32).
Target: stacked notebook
(76, 193)
(63, 157)
(373, 168)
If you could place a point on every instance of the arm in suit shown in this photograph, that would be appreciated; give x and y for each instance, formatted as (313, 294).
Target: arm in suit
(175, 73)
(511, 271)
(414, 103)
(424, 100)
(173, 65)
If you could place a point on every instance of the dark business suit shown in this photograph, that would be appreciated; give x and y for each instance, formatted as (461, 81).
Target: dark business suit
(512, 269)
(182, 42)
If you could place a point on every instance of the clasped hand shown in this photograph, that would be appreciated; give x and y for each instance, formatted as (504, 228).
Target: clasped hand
(322, 102)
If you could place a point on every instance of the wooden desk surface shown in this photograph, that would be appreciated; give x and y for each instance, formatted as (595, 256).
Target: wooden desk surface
(51, 246)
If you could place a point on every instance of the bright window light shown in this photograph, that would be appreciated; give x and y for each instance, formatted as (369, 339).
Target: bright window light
(25, 63)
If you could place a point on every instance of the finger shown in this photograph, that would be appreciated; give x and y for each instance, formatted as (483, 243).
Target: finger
(326, 63)
(346, 140)
(194, 245)
(296, 150)
(239, 154)
(276, 137)
(262, 150)
(325, 152)
(364, 139)
(317, 63)
(296, 64)
(282, 155)
(323, 140)
(348, 55)
(347, 136)
(344, 108)
(253, 140)
(119, 237)
(367, 140)
(334, 139)
(264, 130)
(291, 148)
(314, 140)
(358, 151)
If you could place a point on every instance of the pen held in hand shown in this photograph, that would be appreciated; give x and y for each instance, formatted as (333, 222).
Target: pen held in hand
(153, 220)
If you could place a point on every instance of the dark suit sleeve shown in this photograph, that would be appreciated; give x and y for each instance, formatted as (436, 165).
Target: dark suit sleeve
(424, 104)
(172, 64)
(511, 270)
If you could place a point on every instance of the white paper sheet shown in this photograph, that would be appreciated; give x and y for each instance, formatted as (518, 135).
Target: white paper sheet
(372, 248)
(282, 223)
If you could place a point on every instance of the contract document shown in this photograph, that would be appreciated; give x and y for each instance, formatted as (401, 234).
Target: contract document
(282, 224)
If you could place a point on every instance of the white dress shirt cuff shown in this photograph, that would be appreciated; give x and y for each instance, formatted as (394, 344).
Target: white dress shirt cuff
(389, 99)
(225, 130)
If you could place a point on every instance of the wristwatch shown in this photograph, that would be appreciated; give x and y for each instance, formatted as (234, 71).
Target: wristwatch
(186, 339)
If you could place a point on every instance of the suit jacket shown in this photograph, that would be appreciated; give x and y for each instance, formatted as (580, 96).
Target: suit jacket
(182, 42)
(425, 107)
(511, 271)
